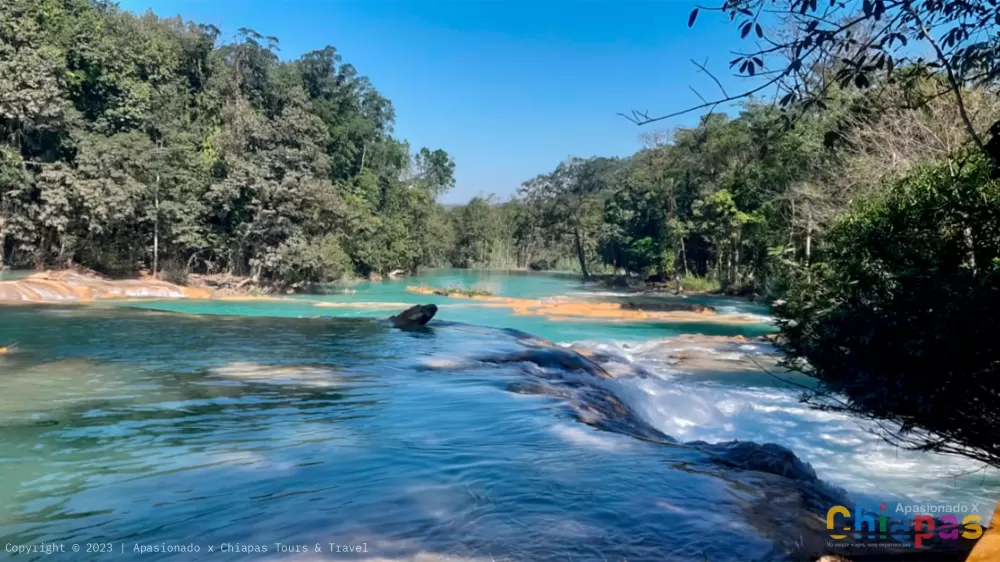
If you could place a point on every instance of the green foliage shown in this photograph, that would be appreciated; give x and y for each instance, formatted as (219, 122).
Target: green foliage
(456, 289)
(487, 236)
(305, 261)
(568, 203)
(128, 141)
(435, 171)
(464, 291)
(708, 201)
(173, 272)
(694, 284)
(901, 316)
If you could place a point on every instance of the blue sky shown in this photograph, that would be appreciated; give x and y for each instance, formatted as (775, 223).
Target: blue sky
(508, 88)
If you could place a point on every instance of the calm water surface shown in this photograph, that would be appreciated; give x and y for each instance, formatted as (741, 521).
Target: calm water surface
(255, 423)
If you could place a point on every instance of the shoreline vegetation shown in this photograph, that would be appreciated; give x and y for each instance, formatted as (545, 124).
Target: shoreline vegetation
(225, 284)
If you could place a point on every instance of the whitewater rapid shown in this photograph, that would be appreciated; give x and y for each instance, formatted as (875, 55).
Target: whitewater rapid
(845, 451)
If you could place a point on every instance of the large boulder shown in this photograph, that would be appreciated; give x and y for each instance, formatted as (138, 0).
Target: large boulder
(414, 316)
(769, 457)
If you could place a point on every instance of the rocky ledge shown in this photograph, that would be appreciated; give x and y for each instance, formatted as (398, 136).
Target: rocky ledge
(81, 286)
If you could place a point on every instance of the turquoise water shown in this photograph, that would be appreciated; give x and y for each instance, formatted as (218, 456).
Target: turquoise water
(250, 424)
(517, 284)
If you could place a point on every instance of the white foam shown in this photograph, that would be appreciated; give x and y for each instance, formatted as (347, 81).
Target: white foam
(844, 450)
(588, 438)
(735, 311)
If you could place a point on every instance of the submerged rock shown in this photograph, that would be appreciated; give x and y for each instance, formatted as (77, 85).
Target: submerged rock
(554, 357)
(769, 457)
(295, 375)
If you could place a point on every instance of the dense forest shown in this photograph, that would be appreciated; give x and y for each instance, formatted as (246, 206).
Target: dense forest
(738, 200)
(135, 143)
(138, 143)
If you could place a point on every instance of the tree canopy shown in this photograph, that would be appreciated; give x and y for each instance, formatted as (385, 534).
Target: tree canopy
(134, 142)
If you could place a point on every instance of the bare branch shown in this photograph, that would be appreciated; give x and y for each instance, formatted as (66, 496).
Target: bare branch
(950, 73)
(646, 119)
(702, 68)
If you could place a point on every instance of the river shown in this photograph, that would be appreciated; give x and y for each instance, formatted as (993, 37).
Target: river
(278, 425)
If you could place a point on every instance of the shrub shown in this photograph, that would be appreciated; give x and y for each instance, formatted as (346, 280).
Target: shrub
(900, 321)
(174, 272)
(477, 291)
(694, 283)
(300, 261)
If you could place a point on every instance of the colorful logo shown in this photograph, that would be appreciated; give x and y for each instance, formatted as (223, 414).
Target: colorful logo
(924, 527)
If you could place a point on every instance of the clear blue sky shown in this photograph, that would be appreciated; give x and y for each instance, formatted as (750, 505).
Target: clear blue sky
(508, 88)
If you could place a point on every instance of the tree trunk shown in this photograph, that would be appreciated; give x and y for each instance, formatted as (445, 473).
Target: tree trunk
(528, 250)
(970, 248)
(791, 229)
(3, 246)
(156, 226)
(684, 259)
(809, 231)
(736, 261)
(729, 262)
(580, 254)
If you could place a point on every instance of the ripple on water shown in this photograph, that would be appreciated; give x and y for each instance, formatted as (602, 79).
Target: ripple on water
(125, 425)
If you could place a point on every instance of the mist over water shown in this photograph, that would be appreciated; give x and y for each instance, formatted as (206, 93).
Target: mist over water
(256, 423)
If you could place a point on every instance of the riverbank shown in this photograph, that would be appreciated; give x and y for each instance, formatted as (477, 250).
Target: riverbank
(69, 286)
(613, 308)
(80, 284)
(683, 286)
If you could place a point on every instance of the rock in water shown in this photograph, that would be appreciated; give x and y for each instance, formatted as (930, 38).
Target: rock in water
(667, 307)
(414, 316)
(768, 457)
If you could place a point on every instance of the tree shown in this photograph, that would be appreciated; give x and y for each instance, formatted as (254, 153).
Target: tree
(877, 314)
(822, 45)
(639, 210)
(474, 233)
(723, 223)
(132, 142)
(571, 201)
(435, 172)
(897, 321)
